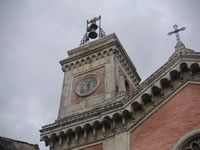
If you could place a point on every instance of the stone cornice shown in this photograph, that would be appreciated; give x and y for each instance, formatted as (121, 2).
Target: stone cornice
(93, 44)
(77, 117)
(164, 68)
(128, 125)
(127, 60)
(70, 59)
(107, 46)
(127, 100)
(131, 111)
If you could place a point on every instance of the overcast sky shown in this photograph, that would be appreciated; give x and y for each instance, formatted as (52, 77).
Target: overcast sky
(36, 34)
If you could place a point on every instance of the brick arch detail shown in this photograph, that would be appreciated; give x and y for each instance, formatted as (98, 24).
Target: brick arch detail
(187, 138)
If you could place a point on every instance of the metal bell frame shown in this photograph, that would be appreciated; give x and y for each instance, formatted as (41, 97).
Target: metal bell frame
(91, 30)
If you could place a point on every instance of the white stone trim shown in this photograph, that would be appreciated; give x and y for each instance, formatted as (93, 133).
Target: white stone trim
(186, 138)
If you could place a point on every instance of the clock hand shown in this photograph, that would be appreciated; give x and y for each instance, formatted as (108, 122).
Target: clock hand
(88, 86)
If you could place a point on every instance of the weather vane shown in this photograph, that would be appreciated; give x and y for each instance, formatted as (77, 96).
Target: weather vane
(176, 31)
(91, 30)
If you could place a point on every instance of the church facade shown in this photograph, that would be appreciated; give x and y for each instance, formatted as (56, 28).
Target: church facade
(104, 106)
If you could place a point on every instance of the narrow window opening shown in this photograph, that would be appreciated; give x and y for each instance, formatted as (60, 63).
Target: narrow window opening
(117, 89)
(127, 86)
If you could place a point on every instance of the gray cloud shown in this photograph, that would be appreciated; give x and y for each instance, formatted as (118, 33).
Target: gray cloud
(35, 35)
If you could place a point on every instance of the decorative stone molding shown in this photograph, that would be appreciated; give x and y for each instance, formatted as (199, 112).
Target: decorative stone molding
(131, 73)
(189, 141)
(86, 58)
(118, 116)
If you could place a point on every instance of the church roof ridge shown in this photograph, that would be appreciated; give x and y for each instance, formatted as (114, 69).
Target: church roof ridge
(179, 49)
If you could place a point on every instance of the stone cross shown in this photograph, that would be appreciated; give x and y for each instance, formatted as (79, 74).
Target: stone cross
(176, 31)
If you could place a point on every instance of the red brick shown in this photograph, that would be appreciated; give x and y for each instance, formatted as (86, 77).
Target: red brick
(96, 147)
(164, 128)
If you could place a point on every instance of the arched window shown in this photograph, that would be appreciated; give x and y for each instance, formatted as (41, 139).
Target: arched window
(190, 141)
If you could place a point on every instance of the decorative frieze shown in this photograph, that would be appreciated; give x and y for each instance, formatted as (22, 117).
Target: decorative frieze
(86, 58)
(115, 116)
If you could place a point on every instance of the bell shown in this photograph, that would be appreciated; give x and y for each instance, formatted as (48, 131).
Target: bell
(92, 31)
(92, 34)
(93, 26)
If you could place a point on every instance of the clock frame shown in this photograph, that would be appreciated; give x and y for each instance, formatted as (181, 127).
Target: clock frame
(87, 85)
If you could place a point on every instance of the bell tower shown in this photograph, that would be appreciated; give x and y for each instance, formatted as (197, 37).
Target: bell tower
(96, 73)
(98, 77)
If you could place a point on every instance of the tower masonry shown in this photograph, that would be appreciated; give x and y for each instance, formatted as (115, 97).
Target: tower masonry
(96, 74)
(104, 106)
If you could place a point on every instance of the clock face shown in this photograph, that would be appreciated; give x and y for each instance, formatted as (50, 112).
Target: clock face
(87, 85)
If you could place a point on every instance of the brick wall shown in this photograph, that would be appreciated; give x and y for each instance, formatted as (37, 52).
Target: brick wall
(164, 128)
(96, 147)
